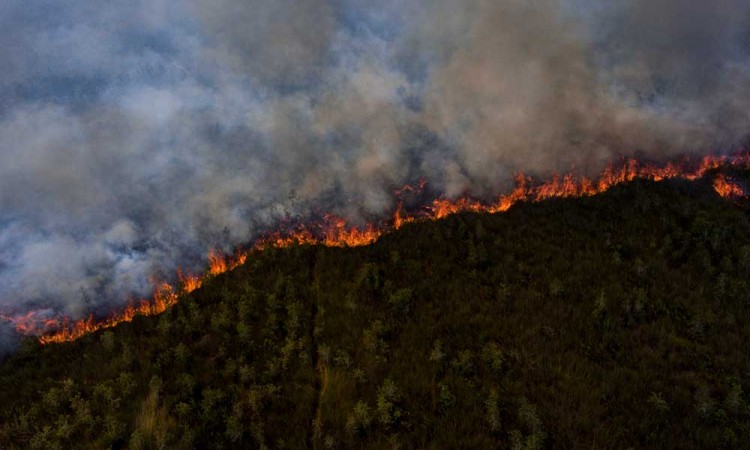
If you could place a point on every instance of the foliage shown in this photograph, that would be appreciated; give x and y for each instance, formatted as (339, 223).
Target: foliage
(613, 321)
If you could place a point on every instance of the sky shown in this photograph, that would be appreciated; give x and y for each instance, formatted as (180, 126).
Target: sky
(136, 135)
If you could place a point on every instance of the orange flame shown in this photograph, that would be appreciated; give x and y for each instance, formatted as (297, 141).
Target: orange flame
(189, 282)
(164, 297)
(333, 231)
(217, 263)
(727, 188)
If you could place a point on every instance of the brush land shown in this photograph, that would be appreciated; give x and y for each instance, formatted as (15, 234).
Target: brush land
(614, 321)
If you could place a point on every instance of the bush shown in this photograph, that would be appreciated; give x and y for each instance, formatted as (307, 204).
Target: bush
(359, 420)
(388, 410)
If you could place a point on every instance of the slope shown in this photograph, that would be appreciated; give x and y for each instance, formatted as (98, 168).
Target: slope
(612, 321)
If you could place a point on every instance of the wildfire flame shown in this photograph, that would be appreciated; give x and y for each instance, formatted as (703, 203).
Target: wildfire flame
(727, 188)
(333, 231)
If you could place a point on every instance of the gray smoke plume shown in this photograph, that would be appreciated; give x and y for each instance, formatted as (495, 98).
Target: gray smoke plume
(136, 135)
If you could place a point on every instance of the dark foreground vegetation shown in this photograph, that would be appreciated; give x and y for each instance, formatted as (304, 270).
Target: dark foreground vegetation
(617, 321)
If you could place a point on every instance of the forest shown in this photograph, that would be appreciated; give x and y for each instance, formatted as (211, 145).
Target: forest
(612, 321)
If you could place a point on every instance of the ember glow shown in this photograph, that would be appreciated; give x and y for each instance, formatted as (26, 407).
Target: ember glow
(728, 188)
(333, 231)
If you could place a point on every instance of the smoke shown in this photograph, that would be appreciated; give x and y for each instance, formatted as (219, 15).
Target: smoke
(9, 341)
(136, 135)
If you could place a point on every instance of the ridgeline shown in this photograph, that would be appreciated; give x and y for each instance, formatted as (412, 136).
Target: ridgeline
(613, 321)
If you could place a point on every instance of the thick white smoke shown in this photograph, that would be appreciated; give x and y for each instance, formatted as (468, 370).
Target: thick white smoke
(134, 136)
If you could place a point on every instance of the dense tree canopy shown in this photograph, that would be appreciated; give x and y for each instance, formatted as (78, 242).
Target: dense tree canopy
(614, 321)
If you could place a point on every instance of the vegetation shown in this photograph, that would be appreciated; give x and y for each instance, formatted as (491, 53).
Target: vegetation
(615, 321)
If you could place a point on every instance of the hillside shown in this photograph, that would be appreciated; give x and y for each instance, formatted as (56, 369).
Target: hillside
(613, 321)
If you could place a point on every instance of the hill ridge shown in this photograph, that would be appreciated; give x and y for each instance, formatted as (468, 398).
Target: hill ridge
(610, 321)
(333, 231)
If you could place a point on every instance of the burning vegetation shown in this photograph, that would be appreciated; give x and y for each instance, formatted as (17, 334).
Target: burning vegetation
(333, 231)
(478, 330)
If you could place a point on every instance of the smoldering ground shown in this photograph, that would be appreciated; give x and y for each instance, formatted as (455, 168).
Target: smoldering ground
(134, 136)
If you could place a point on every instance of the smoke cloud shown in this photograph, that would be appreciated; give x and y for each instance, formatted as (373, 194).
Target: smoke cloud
(136, 135)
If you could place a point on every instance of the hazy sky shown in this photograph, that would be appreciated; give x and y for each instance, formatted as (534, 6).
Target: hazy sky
(135, 135)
